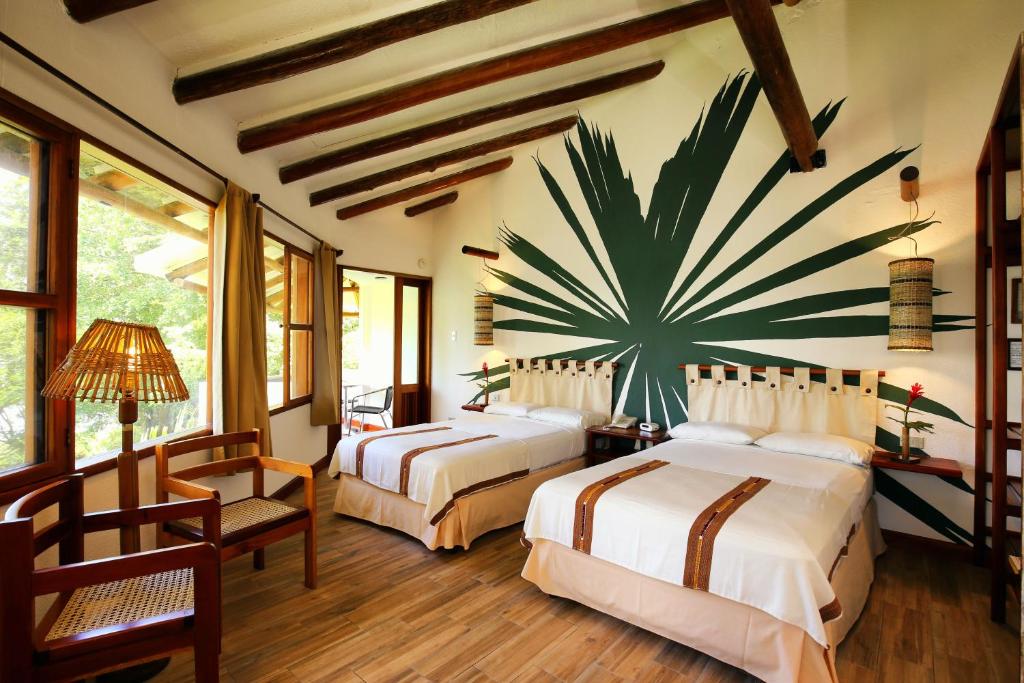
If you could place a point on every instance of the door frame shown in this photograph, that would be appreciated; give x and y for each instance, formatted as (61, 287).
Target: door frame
(422, 353)
(426, 347)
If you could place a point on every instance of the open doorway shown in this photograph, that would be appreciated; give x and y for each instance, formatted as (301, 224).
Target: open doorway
(385, 349)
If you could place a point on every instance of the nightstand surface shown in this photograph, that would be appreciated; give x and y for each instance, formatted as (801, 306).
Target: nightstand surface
(629, 433)
(942, 467)
(473, 407)
(597, 455)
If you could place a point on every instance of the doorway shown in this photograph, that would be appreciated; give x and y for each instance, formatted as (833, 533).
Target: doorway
(385, 349)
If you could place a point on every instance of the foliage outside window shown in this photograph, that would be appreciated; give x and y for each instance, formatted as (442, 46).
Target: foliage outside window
(289, 316)
(143, 256)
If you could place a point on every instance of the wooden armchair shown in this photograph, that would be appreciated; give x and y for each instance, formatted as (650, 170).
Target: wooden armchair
(110, 613)
(246, 525)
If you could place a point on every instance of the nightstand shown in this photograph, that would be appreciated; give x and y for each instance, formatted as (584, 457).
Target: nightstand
(473, 408)
(940, 467)
(614, 436)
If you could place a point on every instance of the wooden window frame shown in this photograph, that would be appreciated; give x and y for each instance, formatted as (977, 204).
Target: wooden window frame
(290, 402)
(60, 298)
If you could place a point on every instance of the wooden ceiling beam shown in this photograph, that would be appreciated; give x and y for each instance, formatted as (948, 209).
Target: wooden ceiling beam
(334, 48)
(423, 189)
(139, 210)
(431, 204)
(462, 122)
(493, 70)
(84, 11)
(185, 270)
(759, 30)
(432, 163)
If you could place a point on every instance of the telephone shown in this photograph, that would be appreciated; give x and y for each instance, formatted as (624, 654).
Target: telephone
(622, 422)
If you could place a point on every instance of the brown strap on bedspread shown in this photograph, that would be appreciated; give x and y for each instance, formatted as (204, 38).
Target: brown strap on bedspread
(479, 486)
(700, 545)
(361, 447)
(403, 485)
(583, 525)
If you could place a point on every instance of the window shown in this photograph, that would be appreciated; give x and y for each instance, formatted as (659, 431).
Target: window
(289, 293)
(143, 256)
(33, 151)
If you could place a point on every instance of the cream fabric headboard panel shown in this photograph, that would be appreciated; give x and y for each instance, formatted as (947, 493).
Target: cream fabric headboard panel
(585, 388)
(786, 404)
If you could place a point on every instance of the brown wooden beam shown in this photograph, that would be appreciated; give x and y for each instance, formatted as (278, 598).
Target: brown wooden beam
(183, 271)
(462, 122)
(760, 33)
(422, 189)
(431, 204)
(139, 210)
(482, 253)
(334, 48)
(431, 164)
(493, 70)
(84, 11)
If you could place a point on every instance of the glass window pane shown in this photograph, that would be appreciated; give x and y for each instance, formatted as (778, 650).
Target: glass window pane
(410, 334)
(273, 253)
(22, 375)
(302, 290)
(142, 257)
(300, 368)
(24, 173)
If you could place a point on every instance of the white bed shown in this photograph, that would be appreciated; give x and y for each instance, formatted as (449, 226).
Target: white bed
(462, 477)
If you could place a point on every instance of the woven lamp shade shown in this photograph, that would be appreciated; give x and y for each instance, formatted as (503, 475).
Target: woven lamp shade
(483, 320)
(910, 304)
(115, 360)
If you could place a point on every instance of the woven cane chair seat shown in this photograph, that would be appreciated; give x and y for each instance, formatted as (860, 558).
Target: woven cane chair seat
(123, 602)
(242, 516)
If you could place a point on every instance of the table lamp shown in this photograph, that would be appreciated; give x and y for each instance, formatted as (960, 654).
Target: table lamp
(123, 363)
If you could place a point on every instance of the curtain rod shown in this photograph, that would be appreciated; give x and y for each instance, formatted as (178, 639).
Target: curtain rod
(75, 85)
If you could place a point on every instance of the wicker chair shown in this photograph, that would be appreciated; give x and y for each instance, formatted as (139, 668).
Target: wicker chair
(110, 613)
(246, 525)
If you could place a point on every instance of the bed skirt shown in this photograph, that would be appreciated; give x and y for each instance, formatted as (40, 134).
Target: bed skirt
(737, 634)
(472, 516)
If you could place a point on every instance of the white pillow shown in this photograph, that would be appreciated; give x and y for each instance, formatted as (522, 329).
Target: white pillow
(721, 432)
(568, 417)
(819, 445)
(510, 408)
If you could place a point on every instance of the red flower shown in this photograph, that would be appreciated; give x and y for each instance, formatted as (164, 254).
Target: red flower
(916, 392)
(485, 368)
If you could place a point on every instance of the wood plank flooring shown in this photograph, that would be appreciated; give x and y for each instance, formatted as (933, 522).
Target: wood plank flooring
(387, 609)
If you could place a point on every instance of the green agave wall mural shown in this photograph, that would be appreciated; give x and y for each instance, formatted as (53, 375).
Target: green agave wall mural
(653, 325)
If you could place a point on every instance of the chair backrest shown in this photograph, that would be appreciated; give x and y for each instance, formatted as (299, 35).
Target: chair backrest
(67, 530)
(389, 395)
(166, 451)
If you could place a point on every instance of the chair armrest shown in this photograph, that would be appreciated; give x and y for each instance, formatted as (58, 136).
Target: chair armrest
(188, 489)
(297, 469)
(368, 393)
(207, 508)
(72, 576)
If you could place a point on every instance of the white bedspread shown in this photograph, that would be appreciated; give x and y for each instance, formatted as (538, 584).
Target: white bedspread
(774, 552)
(436, 476)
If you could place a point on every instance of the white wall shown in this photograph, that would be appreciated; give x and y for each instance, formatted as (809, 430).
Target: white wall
(916, 72)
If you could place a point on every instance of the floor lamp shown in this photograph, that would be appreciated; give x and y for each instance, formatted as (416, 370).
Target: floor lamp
(123, 363)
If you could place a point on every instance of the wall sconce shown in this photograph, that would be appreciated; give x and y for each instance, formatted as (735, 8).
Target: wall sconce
(910, 283)
(483, 302)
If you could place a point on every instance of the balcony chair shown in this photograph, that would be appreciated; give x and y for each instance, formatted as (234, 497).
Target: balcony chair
(112, 613)
(246, 525)
(364, 410)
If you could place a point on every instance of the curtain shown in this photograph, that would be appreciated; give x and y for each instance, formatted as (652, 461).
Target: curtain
(326, 408)
(239, 333)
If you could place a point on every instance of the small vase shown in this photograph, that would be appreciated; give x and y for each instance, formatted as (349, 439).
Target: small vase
(905, 444)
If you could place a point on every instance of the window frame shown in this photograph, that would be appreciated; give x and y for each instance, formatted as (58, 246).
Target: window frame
(290, 402)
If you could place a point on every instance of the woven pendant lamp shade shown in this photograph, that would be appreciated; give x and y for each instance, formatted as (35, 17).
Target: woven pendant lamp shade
(115, 360)
(483, 320)
(910, 304)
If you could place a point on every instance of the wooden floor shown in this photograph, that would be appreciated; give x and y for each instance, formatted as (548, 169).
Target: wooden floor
(387, 609)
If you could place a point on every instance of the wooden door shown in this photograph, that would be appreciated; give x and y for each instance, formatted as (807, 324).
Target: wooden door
(412, 351)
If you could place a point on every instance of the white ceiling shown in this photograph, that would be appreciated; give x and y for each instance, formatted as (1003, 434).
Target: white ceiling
(197, 35)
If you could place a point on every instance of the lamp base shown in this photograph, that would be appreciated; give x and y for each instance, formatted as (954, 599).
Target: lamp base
(135, 674)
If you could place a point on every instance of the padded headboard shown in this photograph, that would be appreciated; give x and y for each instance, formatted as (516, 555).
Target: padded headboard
(785, 399)
(566, 383)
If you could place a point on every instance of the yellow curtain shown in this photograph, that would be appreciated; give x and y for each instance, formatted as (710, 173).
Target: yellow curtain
(240, 344)
(326, 408)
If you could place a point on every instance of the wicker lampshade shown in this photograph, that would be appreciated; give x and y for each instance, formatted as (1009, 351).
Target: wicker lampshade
(483, 320)
(910, 304)
(115, 360)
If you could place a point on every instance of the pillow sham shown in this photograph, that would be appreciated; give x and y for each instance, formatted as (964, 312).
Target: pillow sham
(568, 417)
(828, 446)
(510, 408)
(720, 432)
